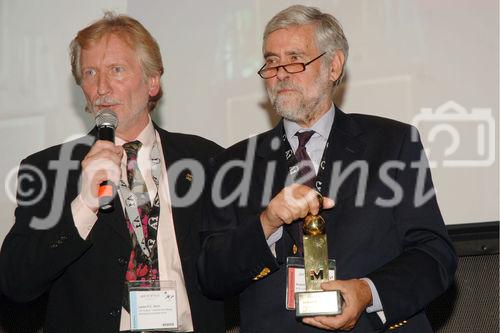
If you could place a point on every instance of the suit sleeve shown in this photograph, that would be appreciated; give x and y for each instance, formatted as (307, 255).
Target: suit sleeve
(235, 252)
(427, 264)
(36, 252)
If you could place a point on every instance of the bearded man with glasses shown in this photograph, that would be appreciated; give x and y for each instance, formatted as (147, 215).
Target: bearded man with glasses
(392, 252)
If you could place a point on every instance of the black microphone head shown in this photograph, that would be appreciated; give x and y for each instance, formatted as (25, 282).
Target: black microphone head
(106, 118)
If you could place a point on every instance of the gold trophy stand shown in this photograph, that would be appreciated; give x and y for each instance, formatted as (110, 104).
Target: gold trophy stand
(316, 301)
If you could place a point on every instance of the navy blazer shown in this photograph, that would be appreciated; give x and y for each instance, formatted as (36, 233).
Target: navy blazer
(404, 249)
(84, 279)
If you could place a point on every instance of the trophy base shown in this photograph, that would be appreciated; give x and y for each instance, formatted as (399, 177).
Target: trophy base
(318, 303)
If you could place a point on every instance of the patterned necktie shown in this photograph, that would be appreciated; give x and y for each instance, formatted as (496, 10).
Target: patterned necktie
(135, 181)
(140, 267)
(306, 166)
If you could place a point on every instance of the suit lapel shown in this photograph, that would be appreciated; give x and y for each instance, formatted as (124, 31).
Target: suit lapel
(177, 187)
(345, 148)
(267, 154)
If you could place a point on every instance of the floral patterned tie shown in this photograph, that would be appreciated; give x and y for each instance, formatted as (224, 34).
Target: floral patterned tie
(140, 266)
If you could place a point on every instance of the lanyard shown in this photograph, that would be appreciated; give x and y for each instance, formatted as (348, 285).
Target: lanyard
(293, 164)
(132, 209)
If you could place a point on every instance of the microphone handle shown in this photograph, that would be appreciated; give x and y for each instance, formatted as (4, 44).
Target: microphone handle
(107, 189)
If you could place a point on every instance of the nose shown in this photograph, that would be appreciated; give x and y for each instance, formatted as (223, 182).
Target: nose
(103, 86)
(282, 73)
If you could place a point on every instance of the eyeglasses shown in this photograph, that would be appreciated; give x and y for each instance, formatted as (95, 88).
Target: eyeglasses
(293, 68)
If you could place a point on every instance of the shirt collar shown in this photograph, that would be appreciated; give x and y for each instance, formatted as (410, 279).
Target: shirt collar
(147, 137)
(321, 127)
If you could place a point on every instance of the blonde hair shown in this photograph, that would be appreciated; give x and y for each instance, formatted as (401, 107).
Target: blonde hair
(131, 32)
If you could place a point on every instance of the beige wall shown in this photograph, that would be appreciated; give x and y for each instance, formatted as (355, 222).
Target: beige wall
(405, 56)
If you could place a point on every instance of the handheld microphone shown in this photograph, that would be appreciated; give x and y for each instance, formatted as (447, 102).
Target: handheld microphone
(106, 122)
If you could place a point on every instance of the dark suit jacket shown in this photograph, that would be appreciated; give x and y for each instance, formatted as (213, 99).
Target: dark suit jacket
(403, 249)
(84, 279)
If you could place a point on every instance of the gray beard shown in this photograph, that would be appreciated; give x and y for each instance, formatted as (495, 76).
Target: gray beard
(301, 111)
(298, 112)
(287, 112)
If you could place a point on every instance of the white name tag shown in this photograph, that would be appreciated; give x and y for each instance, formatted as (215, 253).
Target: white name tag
(296, 283)
(153, 308)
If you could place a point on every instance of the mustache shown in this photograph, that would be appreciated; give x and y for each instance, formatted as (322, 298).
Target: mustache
(106, 100)
(286, 85)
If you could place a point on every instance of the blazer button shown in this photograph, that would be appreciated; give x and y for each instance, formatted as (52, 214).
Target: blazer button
(122, 261)
(114, 313)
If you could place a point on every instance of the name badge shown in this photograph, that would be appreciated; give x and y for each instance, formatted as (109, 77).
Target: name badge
(296, 279)
(153, 305)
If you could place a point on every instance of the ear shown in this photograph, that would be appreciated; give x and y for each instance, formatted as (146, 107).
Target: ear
(336, 65)
(154, 84)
